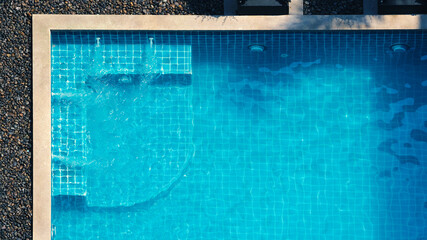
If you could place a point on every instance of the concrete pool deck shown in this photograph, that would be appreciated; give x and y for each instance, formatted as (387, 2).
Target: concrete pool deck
(44, 24)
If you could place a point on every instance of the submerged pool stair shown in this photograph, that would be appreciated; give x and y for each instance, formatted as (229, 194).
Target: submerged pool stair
(68, 145)
(69, 181)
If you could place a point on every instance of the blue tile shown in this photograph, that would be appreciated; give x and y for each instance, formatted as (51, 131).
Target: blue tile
(310, 139)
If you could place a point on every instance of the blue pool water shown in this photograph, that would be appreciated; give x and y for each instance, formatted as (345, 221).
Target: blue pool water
(190, 135)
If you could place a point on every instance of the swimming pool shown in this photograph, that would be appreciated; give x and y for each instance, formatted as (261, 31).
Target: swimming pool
(191, 135)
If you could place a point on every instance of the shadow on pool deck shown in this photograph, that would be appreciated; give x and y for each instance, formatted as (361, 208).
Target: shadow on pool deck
(301, 22)
(329, 22)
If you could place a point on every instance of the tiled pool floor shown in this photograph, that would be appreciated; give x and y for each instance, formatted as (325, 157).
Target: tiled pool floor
(322, 136)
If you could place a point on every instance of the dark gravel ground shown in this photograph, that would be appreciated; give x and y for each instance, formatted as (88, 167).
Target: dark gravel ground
(333, 7)
(15, 90)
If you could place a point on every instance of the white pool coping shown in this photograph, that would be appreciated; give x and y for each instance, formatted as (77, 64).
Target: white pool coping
(43, 24)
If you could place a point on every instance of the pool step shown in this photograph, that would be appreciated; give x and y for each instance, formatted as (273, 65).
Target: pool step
(68, 180)
(178, 80)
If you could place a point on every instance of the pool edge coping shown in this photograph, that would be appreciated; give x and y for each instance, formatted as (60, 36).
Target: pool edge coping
(42, 25)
